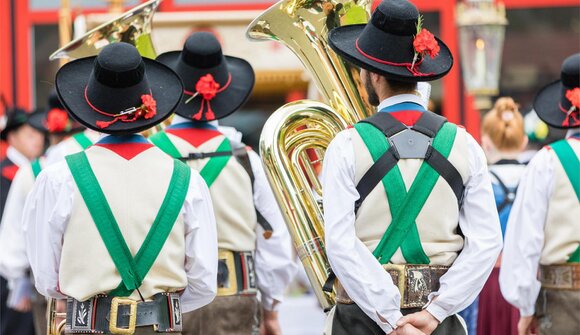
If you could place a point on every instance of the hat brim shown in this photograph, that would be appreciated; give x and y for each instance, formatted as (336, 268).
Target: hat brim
(343, 41)
(72, 79)
(34, 119)
(547, 105)
(225, 102)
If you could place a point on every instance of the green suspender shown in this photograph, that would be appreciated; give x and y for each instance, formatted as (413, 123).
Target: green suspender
(405, 206)
(36, 168)
(82, 140)
(571, 165)
(132, 270)
(212, 168)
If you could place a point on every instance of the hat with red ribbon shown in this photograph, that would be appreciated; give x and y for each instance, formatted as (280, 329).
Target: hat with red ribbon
(558, 104)
(118, 91)
(394, 44)
(215, 85)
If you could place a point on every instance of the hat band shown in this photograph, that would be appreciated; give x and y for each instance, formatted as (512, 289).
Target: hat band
(208, 88)
(411, 67)
(147, 109)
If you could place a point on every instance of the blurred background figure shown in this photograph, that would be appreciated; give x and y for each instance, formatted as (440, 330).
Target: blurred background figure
(24, 134)
(503, 139)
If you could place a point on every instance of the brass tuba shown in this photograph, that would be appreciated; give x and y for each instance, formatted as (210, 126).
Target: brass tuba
(133, 27)
(295, 137)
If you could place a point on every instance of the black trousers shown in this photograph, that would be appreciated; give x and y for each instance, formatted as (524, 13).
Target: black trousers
(351, 320)
(11, 321)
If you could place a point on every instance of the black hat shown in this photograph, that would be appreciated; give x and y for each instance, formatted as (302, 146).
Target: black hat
(387, 44)
(17, 117)
(558, 104)
(118, 91)
(219, 84)
(56, 119)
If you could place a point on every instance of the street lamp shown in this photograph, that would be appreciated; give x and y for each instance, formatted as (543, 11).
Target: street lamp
(481, 35)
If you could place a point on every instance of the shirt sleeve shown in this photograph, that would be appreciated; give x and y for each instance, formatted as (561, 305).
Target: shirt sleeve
(45, 217)
(275, 265)
(479, 223)
(201, 249)
(524, 236)
(13, 260)
(361, 275)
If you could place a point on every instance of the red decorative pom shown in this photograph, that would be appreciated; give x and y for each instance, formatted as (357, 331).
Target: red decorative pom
(574, 96)
(149, 105)
(207, 87)
(57, 120)
(426, 44)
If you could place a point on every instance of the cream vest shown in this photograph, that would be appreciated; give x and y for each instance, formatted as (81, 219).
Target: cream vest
(437, 222)
(134, 190)
(231, 195)
(562, 229)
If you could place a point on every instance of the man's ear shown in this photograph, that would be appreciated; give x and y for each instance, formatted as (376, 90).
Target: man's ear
(376, 78)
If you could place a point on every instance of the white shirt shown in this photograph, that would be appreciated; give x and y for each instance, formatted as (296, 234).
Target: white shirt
(361, 274)
(46, 216)
(524, 238)
(275, 267)
(16, 157)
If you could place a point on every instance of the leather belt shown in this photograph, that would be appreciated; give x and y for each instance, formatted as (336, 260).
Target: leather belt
(103, 314)
(415, 282)
(236, 273)
(560, 276)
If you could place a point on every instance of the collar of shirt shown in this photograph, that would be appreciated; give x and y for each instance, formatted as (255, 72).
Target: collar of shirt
(573, 133)
(16, 157)
(180, 120)
(397, 99)
(126, 146)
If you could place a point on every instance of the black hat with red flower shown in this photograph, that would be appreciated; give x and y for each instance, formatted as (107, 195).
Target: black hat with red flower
(215, 85)
(118, 91)
(394, 44)
(17, 117)
(558, 104)
(56, 119)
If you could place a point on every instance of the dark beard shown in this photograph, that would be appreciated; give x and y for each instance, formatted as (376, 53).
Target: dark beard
(373, 98)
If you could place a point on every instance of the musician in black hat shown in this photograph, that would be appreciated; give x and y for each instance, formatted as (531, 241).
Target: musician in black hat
(410, 222)
(254, 245)
(24, 134)
(540, 271)
(121, 230)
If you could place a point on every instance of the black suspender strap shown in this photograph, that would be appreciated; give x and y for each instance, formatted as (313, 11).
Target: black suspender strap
(375, 174)
(202, 155)
(386, 123)
(429, 124)
(509, 196)
(241, 155)
(447, 171)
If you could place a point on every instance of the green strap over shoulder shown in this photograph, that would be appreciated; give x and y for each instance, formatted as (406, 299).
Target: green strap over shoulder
(211, 169)
(82, 140)
(571, 165)
(132, 270)
(405, 205)
(36, 167)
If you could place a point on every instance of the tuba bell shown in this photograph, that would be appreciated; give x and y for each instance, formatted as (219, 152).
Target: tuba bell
(296, 136)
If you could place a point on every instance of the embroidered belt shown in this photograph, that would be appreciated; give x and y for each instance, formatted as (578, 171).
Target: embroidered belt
(236, 273)
(560, 277)
(415, 282)
(104, 314)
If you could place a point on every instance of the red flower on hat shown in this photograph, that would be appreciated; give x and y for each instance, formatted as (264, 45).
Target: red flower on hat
(149, 106)
(207, 87)
(426, 44)
(57, 120)
(574, 96)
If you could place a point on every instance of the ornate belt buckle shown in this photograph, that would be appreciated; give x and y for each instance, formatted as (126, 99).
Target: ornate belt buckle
(115, 303)
(231, 286)
(399, 274)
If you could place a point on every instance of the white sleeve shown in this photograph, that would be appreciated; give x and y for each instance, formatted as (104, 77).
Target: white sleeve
(479, 223)
(45, 217)
(361, 275)
(524, 236)
(13, 260)
(275, 265)
(201, 249)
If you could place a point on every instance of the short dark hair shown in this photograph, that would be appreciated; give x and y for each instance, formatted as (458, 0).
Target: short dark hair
(401, 86)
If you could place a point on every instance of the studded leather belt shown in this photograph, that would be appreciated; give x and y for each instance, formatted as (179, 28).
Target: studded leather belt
(236, 273)
(103, 314)
(560, 277)
(415, 282)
